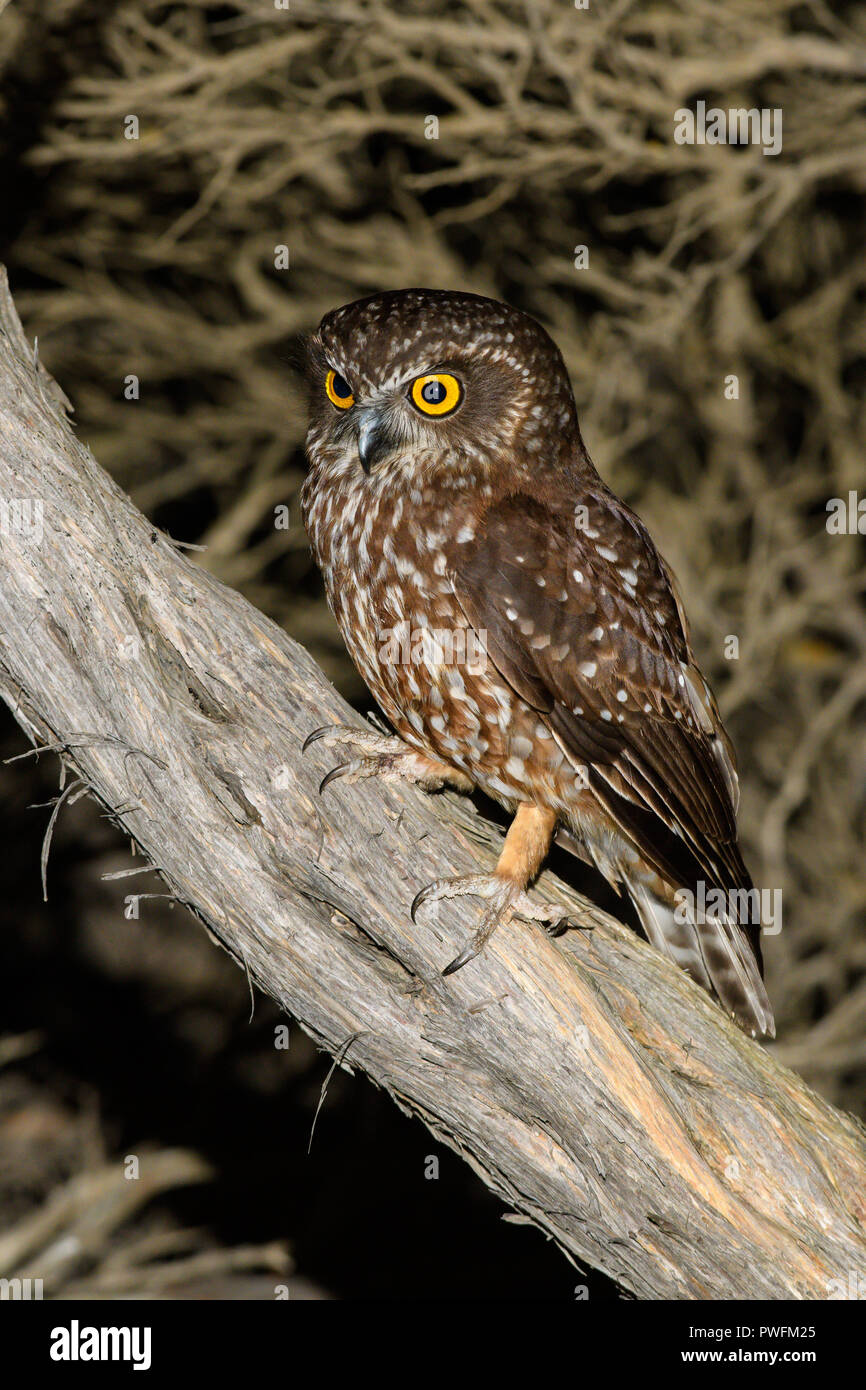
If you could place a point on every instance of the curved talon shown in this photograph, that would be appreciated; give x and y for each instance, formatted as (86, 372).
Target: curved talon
(320, 733)
(558, 926)
(316, 734)
(332, 776)
(361, 738)
(431, 891)
(423, 896)
(467, 954)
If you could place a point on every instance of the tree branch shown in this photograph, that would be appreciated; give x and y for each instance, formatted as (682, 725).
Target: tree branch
(586, 1080)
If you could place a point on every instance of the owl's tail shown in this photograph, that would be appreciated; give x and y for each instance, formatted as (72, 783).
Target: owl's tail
(714, 949)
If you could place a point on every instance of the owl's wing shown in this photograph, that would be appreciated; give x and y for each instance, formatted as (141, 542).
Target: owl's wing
(579, 615)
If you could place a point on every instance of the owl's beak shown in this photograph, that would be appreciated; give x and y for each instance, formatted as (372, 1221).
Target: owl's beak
(373, 441)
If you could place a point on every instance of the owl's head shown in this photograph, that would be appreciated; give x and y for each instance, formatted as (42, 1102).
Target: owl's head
(436, 381)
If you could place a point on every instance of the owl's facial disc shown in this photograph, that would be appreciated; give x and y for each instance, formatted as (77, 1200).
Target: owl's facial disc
(439, 383)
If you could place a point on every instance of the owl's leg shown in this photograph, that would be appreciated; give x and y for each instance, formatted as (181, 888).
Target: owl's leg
(529, 838)
(378, 755)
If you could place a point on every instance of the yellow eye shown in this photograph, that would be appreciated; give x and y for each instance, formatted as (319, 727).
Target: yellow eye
(436, 394)
(339, 391)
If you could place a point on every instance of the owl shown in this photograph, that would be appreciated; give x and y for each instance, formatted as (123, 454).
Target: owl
(518, 627)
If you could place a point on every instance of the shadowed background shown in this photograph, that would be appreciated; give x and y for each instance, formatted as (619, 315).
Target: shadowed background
(310, 129)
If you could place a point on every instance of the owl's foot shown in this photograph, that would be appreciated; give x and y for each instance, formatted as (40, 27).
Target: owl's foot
(378, 755)
(507, 899)
(526, 844)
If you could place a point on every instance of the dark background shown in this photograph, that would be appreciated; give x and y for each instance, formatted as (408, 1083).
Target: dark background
(155, 257)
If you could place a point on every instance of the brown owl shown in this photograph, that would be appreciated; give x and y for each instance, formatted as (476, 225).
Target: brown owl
(518, 627)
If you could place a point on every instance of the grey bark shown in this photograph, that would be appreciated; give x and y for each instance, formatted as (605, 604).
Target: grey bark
(585, 1079)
